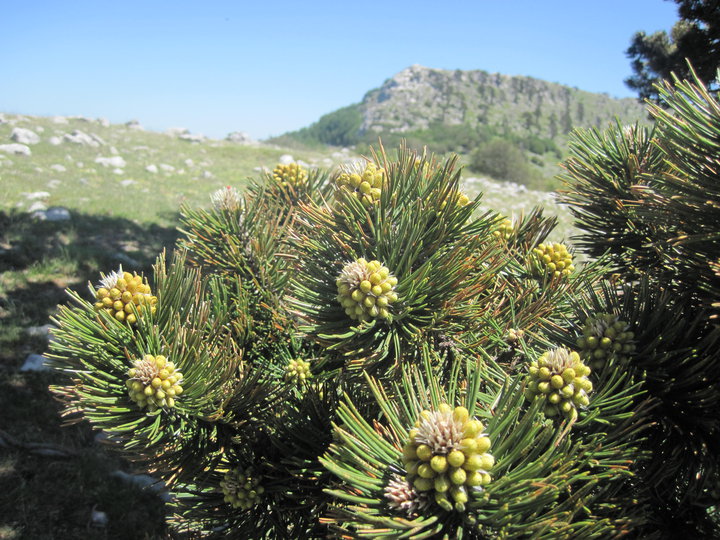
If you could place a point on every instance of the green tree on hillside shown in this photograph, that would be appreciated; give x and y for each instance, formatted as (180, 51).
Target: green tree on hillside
(695, 37)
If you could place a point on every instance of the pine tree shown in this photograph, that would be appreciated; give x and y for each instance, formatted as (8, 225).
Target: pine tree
(366, 354)
(650, 199)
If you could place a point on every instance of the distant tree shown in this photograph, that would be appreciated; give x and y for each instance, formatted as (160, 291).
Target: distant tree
(694, 38)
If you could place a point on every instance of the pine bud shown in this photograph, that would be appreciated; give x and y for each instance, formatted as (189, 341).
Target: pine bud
(453, 454)
(363, 286)
(562, 381)
(121, 295)
(153, 383)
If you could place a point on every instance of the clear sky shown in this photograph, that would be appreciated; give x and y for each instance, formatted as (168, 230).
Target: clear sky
(267, 67)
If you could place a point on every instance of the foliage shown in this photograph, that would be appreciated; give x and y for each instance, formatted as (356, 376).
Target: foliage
(650, 199)
(695, 38)
(367, 354)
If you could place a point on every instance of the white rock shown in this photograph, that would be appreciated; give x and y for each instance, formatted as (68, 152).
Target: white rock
(40, 332)
(207, 175)
(192, 138)
(79, 164)
(118, 171)
(2, 119)
(17, 149)
(127, 182)
(176, 131)
(55, 141)
(59, 120)
(36, 195)
(24, 136)
(167, 168)
(38, 206)
(286, 159)
(80, 137)
(189, 162)
(57, 213)
(152, 169)
(52, 184)
(58, 168)
(98, 518)
(34, 362)
(134, 124)
(98, 139)
(239, 137)
(114, 151)
(104, 122)
(144, 481)
(81, 118)
(114, 161)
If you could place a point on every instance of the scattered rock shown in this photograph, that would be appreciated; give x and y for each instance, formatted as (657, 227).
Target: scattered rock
(144, 481)
(34, 362)
(114, 151)
(118, 171)
(40, 332)
(15, 148)
(98, 518)
(167, 168)
(2, 119)
(98, 139)
(134, 124)
(207, 175)
(104, 122)
(189, 162)
(177, 131)
(54, 183)
(37, 210)
(59, 120)
(239, 137)
(286, 159)
(127, 182)
(24, 136)
(114, 161)
(152, 169)
(54, 213)
(55, 141)
(80, 137)
(58, 168)
(36, 195)
(192, 138)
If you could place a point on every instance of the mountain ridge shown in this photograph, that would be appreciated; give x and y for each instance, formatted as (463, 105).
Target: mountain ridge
(432, 105)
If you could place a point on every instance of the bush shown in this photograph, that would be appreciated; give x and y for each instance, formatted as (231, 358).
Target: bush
(365, 355)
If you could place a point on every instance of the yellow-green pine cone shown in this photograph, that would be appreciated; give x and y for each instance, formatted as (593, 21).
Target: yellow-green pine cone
(551, 260)
(366, 290)
(291, 174)
(447, 453)
(242, 488)
(561, 378)
(154, 383)
(122, 295)
(297, 371)
(456, 197)
(366, 184)
(505, 230)
(605, 336)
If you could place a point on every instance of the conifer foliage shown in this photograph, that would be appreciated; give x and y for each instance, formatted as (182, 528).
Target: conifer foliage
(365, 354)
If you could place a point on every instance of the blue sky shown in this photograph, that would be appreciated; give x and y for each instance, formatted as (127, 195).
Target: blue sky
(270, 67)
